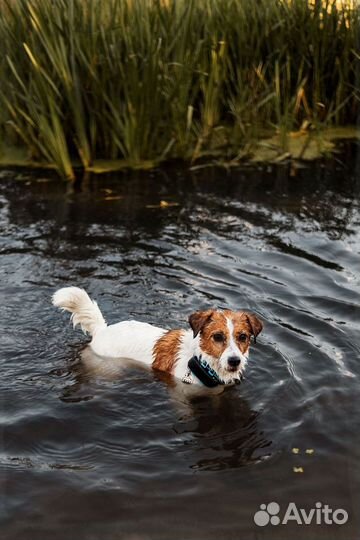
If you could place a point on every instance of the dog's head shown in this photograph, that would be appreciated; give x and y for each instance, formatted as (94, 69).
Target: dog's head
(224, 339)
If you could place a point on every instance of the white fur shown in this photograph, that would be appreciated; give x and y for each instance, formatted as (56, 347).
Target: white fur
(84, 311)
(189, 347)
(128, 339)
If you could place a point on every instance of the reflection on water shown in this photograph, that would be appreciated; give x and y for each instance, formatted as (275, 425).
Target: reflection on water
(225, 434)
(86, 447)
(221, 426)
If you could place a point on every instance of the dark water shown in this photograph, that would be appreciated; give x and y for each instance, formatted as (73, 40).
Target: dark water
(104, 456)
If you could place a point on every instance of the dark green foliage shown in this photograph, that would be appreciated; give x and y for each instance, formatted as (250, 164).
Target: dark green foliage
(143, 80)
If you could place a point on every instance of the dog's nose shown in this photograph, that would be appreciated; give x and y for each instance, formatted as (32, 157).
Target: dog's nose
(233, 361)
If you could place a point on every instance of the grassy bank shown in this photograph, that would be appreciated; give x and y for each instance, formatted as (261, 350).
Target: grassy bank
(143, 81)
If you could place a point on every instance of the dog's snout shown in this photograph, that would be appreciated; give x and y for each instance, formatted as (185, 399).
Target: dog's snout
(234, 361)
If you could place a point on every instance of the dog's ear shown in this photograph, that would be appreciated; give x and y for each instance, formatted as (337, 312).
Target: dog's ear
(255, 323)
(198, 320)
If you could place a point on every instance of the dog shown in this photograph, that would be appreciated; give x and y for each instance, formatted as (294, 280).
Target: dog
(213, 352)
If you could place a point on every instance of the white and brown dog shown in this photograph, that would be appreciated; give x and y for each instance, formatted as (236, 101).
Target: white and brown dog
(214, 352)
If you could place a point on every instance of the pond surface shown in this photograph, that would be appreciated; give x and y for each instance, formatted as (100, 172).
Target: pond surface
(102, 455)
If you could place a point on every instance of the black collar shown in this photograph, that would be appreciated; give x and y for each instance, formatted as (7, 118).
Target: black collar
(201, 369)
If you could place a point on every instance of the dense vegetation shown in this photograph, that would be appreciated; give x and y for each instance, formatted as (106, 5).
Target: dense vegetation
(149, 80)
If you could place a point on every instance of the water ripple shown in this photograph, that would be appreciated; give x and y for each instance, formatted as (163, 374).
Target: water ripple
(93, 441)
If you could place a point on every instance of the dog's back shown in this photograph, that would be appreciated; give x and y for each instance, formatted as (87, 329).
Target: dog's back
(127, 339)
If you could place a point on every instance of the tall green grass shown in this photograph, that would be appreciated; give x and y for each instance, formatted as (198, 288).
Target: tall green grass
(148, 80)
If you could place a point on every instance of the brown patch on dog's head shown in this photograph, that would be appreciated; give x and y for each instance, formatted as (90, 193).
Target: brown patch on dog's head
(214, 334)
(211, 322)
(245, 325)
(199, 319)
(241, 330)
(256, 324)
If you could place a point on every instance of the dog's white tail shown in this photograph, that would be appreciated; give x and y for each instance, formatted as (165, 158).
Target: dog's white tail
(84, 310)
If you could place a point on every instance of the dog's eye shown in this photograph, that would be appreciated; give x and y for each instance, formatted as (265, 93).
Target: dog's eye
(242, 337)
(219, 338)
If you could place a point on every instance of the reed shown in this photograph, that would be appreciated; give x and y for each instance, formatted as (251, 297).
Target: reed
(148, 80)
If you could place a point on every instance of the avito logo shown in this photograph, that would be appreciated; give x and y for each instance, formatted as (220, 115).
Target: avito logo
(322, 514)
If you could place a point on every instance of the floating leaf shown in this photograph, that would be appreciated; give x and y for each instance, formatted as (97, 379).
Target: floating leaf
(162, 204)
(298, 469)
(113, 198)
(295, 450)
(309, 451)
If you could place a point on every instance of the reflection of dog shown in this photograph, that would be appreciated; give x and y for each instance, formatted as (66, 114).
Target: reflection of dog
(214, 352)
